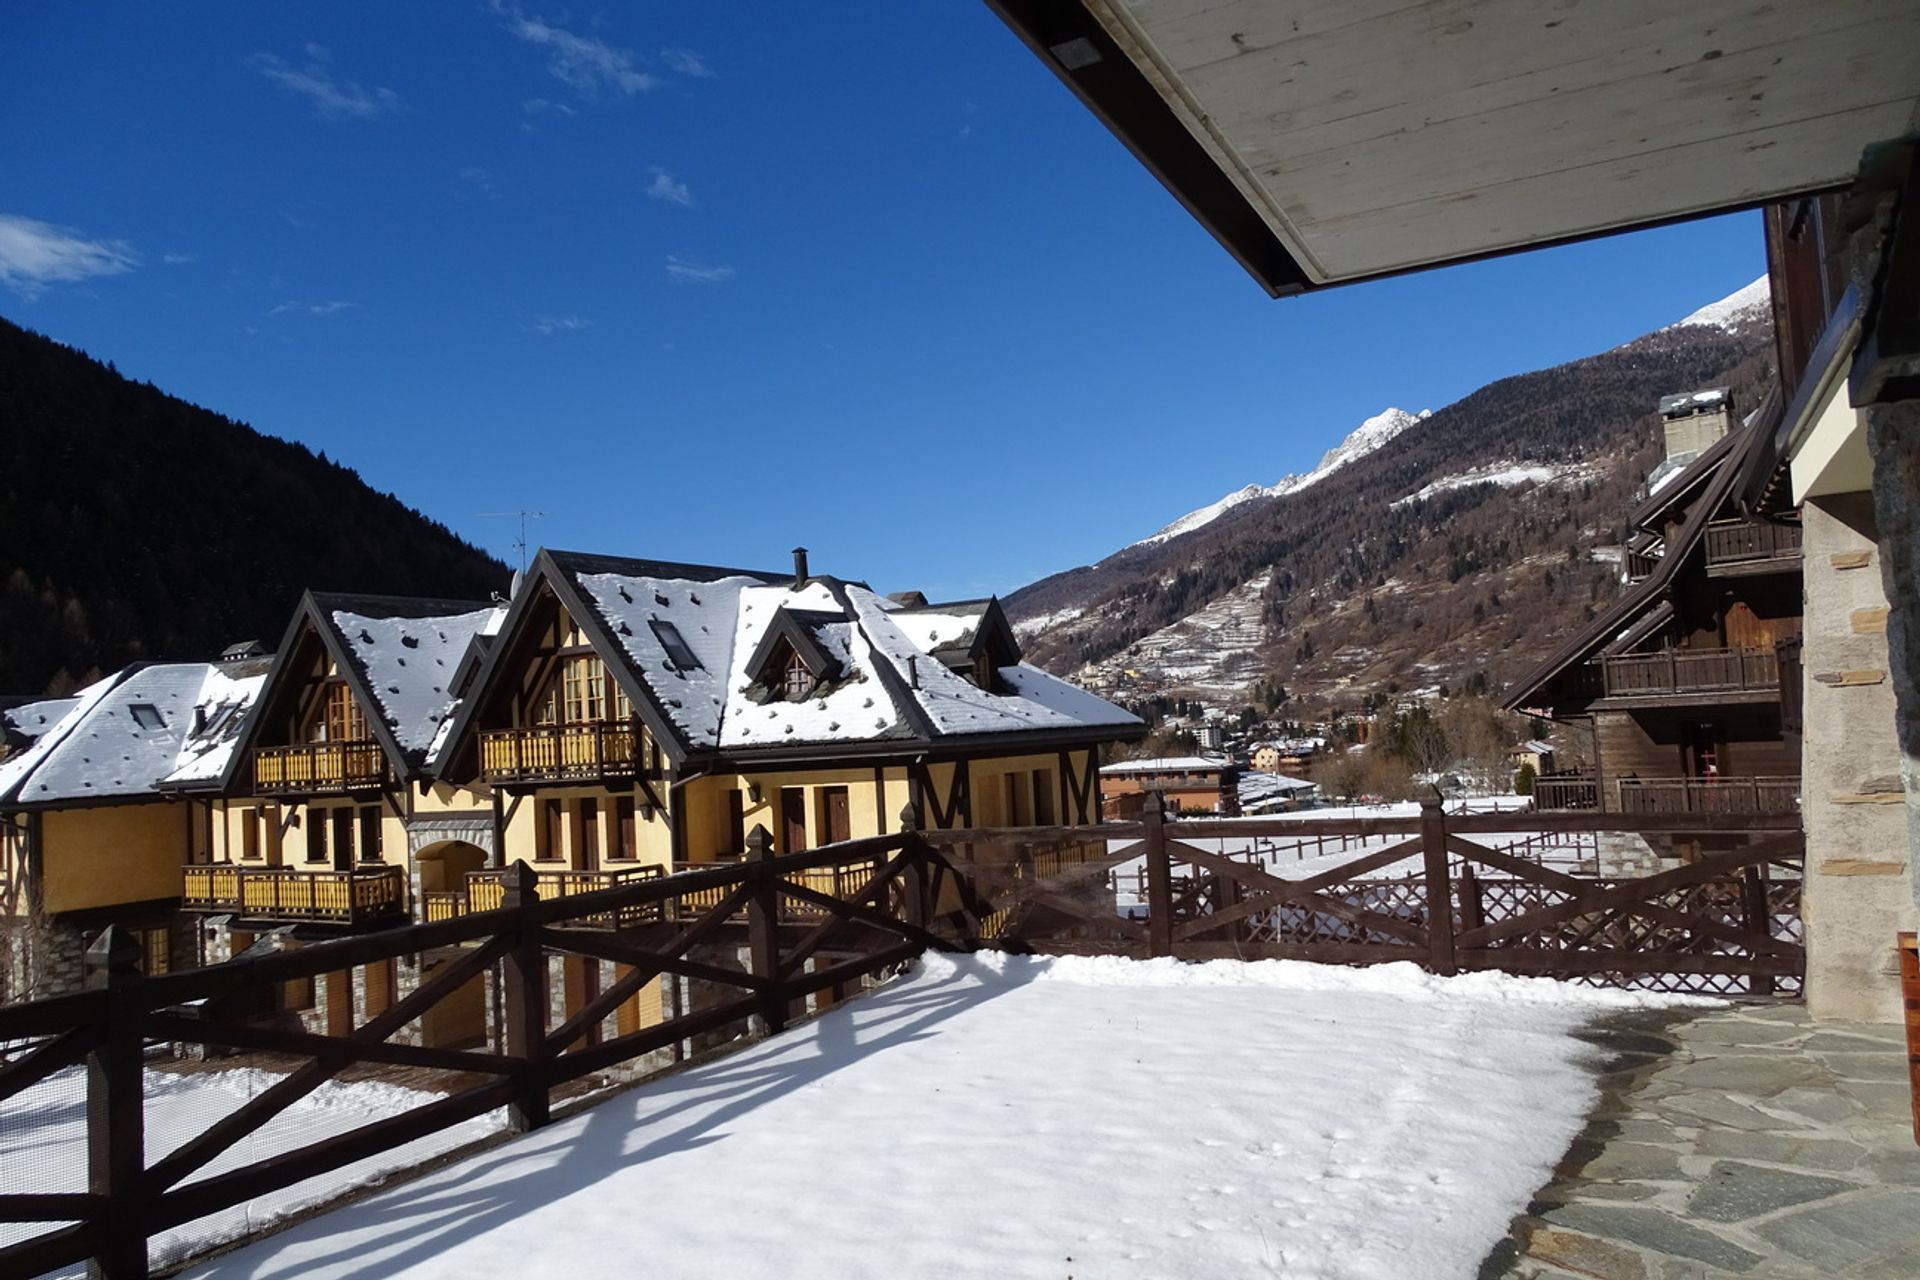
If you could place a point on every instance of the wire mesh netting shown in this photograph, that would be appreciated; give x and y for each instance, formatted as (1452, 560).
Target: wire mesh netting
(43, 1147)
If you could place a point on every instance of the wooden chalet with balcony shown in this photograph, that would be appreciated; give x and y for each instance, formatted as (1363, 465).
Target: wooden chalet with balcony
(333, 812)
(1680, 684)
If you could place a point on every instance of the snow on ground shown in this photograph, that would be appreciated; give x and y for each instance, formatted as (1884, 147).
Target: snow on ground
(998, 1116)
(43, 1143)
(1725, 313)
(1506, 475)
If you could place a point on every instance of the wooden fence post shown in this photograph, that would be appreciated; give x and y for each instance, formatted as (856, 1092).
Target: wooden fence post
(1759, 923)
(1433, 841)
(1159, 878)
(116, 1117)
(1472, 915)
(525, 970)
(763, 929)
(915, 883)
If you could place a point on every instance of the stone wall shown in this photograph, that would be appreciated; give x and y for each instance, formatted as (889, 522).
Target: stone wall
(1858, 888)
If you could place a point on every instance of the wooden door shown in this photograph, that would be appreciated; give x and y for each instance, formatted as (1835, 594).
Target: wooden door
(835, 823)
(342, 822)
(793, 819)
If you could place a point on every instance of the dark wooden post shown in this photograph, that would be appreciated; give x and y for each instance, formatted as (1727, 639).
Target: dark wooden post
(763, 929)
(1159, 877)
(915, 882)
(1433, 841)
(1468, 889)
(116, 1118)
(1759, 923)
(525, 969)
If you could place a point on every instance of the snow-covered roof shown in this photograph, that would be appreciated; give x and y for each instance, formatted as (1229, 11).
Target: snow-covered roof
(1168, 764)
(689, 634)
(409, 665)
(1693, 401)
(136, 734)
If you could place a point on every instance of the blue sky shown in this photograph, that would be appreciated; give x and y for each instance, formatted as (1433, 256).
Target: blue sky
(703, 281)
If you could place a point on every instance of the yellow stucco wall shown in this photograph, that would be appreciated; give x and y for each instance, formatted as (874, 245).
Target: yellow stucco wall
(652, 835)
(114, 854)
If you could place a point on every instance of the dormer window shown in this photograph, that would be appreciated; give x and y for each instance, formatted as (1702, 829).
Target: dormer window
(983, 672)
(799, 680)
(583, 691)
(147, 716)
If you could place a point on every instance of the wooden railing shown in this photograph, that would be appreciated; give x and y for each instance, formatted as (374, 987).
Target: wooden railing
(1641, 564)
(550, 752)
(285, 893)
(1692, 671)
(318, 767)
(486, 890)
(1653, 797)
(1749, 542)
(1576, 791)
(1726, 923)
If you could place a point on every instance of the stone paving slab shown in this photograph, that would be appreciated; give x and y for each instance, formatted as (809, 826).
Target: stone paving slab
(1739, 1141)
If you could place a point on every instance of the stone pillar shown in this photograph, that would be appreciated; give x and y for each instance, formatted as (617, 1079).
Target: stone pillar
(1893, 439)
(1858, 886)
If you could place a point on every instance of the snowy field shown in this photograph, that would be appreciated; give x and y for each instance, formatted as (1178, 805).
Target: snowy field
(996, 1116)
(43, 1143)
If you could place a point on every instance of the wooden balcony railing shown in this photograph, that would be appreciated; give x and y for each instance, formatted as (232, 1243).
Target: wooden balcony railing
(1562, 791)
(317, 767)
(1692, 671)
(283, 893)
(486, 891)
(841, 881)
(1641, 564)
(549, 752)
(1737, 544)
(1656, 797)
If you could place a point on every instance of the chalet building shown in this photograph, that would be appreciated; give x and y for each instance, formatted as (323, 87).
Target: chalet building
(1185, 784)
(104, 797)
(333, 818)
(1680, 684)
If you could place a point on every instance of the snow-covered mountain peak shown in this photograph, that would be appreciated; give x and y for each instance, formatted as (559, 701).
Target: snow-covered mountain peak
(1732, 309)
(1361, 441)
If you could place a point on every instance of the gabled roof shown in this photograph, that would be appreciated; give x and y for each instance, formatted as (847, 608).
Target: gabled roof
(1677, 488)
(1628, 613)
(399, 655)
(142, 732)
(882, 691)
(959, 631)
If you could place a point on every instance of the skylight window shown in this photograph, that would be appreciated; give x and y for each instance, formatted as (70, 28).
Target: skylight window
(677, 651)
(147, 716)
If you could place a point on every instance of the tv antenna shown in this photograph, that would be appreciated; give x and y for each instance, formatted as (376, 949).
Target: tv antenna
(523, 517)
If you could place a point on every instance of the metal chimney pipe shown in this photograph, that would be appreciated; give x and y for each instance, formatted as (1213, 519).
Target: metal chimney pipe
(913, 672)
(799, 567)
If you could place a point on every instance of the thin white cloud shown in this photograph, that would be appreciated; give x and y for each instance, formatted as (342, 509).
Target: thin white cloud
(481, 181)
(36, 254)
(583, 63)
(687, 63)
(331, 97)
(688, 271)
(176, 259)
(332, 308)
(669, 188)
(568, 323)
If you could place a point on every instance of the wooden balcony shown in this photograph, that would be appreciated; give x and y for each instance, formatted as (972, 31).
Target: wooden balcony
(318, 768)
(1658, 797)
(486, 891)
(1740, 547)
(834, 881)
(1693, 675)
(283, 893)
(1566, 791)
(551, 753)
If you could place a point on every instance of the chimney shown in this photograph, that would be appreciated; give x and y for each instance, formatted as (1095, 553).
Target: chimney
(1693, 420)
(913, 672)
(799, 567)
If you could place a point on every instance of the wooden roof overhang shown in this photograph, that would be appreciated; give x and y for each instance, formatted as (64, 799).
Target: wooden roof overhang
(1325, 142)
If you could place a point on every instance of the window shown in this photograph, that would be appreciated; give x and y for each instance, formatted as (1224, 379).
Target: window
(342, 836)
(250, 833)
(547, 836)
(621, 842)
(1043, 797)
(676, 646)
(798, 680)
(583, 692)
(588, 843)
(370, 833)
(338, 717)
(147, 716)
(317, 835)
(736, 822)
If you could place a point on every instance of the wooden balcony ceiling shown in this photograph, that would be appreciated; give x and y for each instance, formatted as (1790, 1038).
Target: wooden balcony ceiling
(1639, 698)
(1329, 141)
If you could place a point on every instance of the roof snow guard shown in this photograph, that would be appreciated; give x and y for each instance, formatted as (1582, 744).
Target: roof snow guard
(691, 646)
(1324, 142)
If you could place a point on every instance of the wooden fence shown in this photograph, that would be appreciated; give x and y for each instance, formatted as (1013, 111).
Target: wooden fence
(756, 939)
